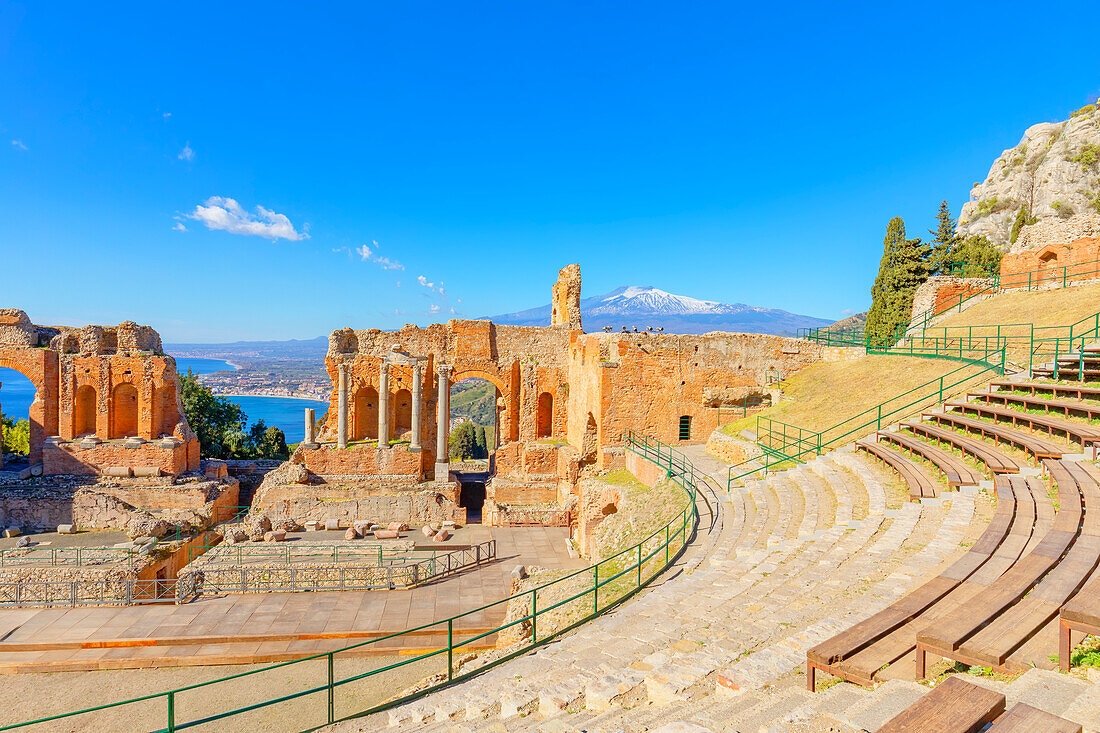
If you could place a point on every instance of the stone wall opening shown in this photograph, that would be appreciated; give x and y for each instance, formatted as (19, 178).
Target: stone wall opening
(365, 408)
(124, 411)
(471, 497)
(685, 427)
(477, 401)
(84, 411)
(402, 415)
(546, 415)
(17, 392)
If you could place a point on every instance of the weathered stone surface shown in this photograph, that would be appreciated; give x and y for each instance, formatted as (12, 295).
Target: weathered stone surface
(386, 534)
(398, 526)
(351, 534)
(66, 529)
(142, 524)
(427, 531)
(441, 536)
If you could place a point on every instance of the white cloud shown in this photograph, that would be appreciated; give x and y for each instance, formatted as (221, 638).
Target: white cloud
(179, 227)
(847, 312)
(18, 145)
(398, 283)
(187, 153)
(425, 282)
(433, 308)
(166, 115)
(367, 255)
(220, 212)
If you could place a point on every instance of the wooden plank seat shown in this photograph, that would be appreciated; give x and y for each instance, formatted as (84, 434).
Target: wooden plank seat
(921, 484)
(958, 471)
(1077, 391)
(1087, 410)
(1022, 718)
(1036, 446)
(863, 649)
(964, 635)
(995, 460)
(953, 706)
(1082, 613)
(1079, 432)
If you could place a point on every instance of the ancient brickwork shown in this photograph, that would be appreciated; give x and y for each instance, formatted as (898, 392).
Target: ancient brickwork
(941, 291)
(99, 388)
(1053, 264)
(565, 298)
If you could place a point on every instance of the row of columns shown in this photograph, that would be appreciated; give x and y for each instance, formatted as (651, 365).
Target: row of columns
(384, 407)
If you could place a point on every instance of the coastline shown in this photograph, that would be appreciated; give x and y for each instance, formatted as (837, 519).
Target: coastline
(309, 398)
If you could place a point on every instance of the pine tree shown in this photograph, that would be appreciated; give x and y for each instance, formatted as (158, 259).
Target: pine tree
(943, 240)
(482, 448)
(904, 266)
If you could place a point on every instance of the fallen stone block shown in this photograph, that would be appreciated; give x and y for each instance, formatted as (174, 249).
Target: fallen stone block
(376, 527)
(146, 471)
(118, 472)
(427, 531)
(441, 536)
(66, 529)
(332, 524)
(387, 534)
(519, 572)
(278, 535)
(449, 524)
(398, 526)
(362, 527)
(351, 534)
(24, 541)
(12, 532)
(312, 525)
(36, 469)
(269, 536)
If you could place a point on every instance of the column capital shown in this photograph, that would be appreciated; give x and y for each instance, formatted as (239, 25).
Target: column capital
(444, 370)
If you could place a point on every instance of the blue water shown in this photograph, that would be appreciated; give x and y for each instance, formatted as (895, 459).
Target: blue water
(285, 413)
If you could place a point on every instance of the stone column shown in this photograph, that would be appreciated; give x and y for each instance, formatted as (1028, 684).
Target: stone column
(342, 407)
(416, 391)
(384, 405)
(442, 421)
(309, 441)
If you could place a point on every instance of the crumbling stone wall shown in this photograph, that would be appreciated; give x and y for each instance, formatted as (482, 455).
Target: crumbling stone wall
(939, 291)
(565, 298)
(98, 384)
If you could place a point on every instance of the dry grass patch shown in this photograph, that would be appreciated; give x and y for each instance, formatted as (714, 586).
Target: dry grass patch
(826, 393)
(1045, 308)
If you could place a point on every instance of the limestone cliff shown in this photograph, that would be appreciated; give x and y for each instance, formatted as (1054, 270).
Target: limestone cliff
(1053, 173)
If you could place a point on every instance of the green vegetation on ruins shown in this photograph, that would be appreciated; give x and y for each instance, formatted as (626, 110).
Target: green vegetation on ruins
(17, 435)
(220, 425)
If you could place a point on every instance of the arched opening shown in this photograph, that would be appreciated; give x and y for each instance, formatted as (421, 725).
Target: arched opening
(588, 446)
(84, 410)
(685, 427)
(365, 406)
(471, 496)
(402, 414)
(546, 415)
(1048, 259)
(16, 395)
(474, 419)
(124, 411)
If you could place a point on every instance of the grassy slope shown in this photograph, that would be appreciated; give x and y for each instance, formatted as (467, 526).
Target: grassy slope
(825, 393)
(1046, 308)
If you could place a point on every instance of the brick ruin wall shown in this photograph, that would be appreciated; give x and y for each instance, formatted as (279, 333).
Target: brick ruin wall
(940, 291)
(106, 398)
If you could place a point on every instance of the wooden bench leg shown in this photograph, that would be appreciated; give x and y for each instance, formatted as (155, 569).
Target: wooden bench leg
(811, 673)
(920, 673)
(1064, 645)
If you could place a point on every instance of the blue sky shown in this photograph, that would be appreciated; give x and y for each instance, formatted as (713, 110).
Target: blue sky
(737, 153)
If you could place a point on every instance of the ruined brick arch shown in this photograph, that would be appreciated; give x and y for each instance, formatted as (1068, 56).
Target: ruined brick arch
(84, 410)
(40, 367)
(124, 411)
(364, 405)
(402, 412)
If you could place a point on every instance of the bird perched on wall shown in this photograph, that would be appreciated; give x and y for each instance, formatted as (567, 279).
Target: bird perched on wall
(660, 328)
(607, 329)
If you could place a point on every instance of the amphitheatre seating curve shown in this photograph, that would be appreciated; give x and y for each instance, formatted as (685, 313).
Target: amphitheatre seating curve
(986, 630)
(958, 471)
(1087, 410)
(865, 648)
(1034, 445)
(921, 484)
(995, 460)
(1079, 432)
(1079, 391)
(953, 706)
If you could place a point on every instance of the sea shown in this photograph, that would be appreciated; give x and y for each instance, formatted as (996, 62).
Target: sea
(285, 413)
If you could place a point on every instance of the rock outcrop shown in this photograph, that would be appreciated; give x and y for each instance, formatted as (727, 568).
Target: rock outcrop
(1053, 173)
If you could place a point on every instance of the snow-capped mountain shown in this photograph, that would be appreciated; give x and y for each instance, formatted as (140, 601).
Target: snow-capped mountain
(642, 306)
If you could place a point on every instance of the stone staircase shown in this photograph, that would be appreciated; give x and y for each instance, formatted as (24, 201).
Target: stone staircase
(719, 642)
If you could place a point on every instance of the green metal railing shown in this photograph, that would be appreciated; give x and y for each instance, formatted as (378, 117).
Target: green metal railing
(784, 444)
(327, 696)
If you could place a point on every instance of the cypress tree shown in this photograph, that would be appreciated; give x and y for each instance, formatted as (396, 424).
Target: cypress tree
(904, 266)
(482, 448)
(943, 240)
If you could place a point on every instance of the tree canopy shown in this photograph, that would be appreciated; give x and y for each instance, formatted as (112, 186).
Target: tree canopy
(903, 267)
(220, 425)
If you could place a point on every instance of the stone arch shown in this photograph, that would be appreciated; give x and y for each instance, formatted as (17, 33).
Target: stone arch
(590, 442)
(365, 406)
(545, 417)
(84, 411)
(402, 412)
(124, 411)
(41, 368)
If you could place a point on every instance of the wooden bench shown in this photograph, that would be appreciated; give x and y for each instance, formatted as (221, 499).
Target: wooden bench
(953, 706)
(957, 471)
(1022, 718)
(1079, 391)
(1034, 445)
(921, 485)
(1087, 410)
(985, 631)
(995, 460)
(1082, 612)
(1083, 433)
(860, 651)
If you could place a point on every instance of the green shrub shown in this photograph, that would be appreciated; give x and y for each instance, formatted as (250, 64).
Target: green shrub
(1022, 220)
(1088, 156)
(1062, 209)
(1088, 109)
(17, 436)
